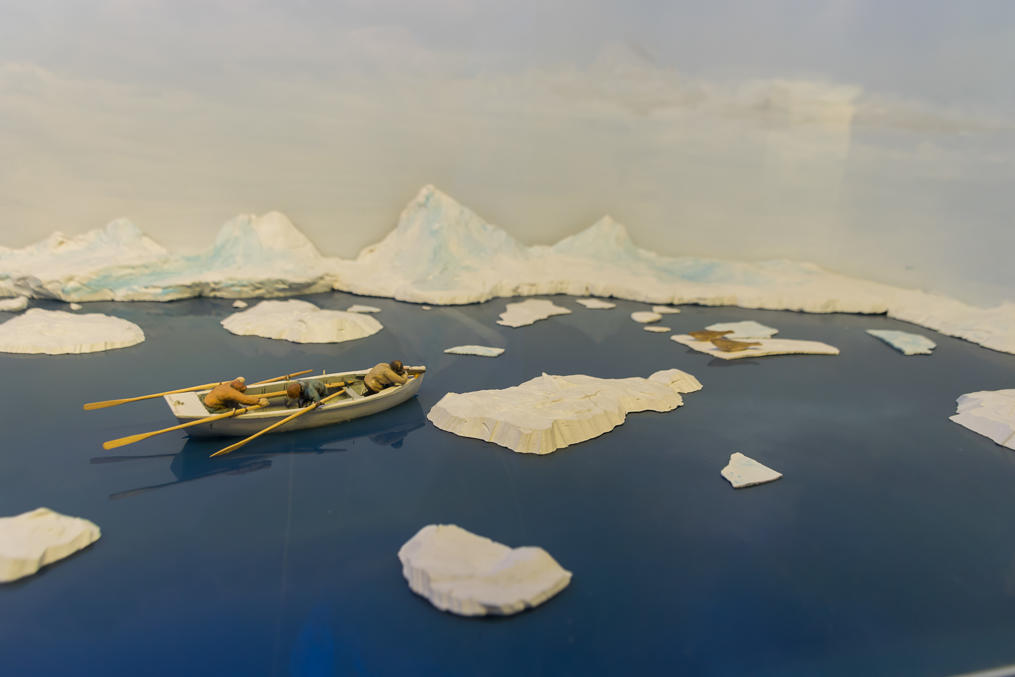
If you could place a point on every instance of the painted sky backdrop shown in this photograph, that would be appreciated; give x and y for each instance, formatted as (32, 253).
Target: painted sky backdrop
(873, 138)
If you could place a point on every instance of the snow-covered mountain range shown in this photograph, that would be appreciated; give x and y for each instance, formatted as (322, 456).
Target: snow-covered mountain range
(441, 252)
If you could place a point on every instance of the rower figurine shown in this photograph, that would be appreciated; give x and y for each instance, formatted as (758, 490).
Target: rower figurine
(231, 395)
(304, 393)
(384, 375)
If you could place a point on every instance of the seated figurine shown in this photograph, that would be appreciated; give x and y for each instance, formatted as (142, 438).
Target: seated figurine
(231, 395)
(384, 376)
(304, 393)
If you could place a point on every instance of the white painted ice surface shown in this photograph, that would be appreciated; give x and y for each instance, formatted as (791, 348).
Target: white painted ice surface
(482, 351)
(990, 413)
(743, 471)
(300, 322)
(57, 332)
(766, 347)
(596, 304)
(239, 304)
(657, 329)
(549, 412)
(645, 316)
(746, 329)
(14, 305)
(529, 311)
(76, 306)
(32, 540)
(357, 308)
(904, 341)
(449, 255)
(665, 310)
(470, 575)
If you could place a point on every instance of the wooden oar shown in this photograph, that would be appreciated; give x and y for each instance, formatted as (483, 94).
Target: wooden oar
(131, 439)
(297, 414)
(112, 403)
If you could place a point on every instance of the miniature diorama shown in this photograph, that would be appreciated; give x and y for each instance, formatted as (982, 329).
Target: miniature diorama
(277, 427)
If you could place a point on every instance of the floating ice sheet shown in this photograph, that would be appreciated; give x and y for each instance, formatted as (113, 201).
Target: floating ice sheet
(470, 575)
(550, 412)
(766, 347)
(596, 304)
(904, 342)
(990, 413)
(644, 316)
(239, 304)
(57, 332)
(32, 540)
(747, 329)
(527, 312)
(300, 322)
(482, 351)
(362, 309)
(743, 471)
(657, 329)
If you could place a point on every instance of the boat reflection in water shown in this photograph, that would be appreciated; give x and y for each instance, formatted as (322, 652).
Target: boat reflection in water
(192, 462)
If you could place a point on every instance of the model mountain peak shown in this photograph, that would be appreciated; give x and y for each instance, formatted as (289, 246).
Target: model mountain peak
(248, 238)
(607, 238)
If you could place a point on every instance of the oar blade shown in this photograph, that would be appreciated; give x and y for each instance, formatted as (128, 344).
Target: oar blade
(124, 441)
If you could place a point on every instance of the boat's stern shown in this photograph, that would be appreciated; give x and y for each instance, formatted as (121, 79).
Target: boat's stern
(186, 406)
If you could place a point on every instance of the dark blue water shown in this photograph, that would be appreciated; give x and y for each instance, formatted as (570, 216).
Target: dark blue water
(887, 549)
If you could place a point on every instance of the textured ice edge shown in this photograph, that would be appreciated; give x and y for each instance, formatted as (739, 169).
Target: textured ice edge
(990, 413)
(32, 540)
(451, 256)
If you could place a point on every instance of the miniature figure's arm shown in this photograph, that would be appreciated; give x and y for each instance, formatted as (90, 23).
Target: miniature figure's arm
(242, 398)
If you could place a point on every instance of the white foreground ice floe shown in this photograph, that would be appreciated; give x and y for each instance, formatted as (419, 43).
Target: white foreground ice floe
(449, 255)
(551, 412)
(904, 341)
(14, 305)
(57, 332)
(527, 312)
(482, 351)
(596, 304)
(743, 471)
(301, 322)
(470, 575)
(990, 413)
(32, 540)
(746, 329)
(766, 347)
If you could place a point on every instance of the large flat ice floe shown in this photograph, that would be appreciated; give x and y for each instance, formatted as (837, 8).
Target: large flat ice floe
(990, 413)
(470, 575)
(301, 322)
(551, 412)
(449, 255)
(57, 332)
(904, 341)
(764, 347)
(481, 351)
(32, 540)
(530, 311)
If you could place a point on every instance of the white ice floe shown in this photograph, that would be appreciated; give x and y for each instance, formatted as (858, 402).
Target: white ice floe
(644, 316)
(57, 332)
(471, 575)
(532, 310)
(14, 305)
(596, 304)
(32, 540)
(300, 322)
(743, 471)
(765, 347)
(75, 306)
(426, 307)
(239, 304)
(990, 413)
(482, 351)
(747, 329)
(657, 329)
(665, 310)
(551, 412)
(449, 255)
(362, 309)
(904, 342)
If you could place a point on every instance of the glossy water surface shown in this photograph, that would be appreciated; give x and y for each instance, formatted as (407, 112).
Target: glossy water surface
(888, 548)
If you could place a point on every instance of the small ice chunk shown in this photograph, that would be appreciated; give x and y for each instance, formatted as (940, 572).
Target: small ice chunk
(904, 342)
(644, 316)
(747, 329)
(470, 575)
(596, 304)
(32, 540)
(362, 309)
(76, 306)
(743, 471)
(300, 322)
(57, 332)
(426, 307)
(529, 311)
(239, 304)
(990, 413)
(549, 412)
(482, 351)
(765, 347)
(664, 310)
(657, 329)
(14, 305)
